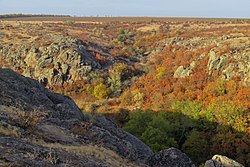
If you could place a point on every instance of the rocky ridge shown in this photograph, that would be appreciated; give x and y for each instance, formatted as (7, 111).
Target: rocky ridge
(53, 60)
(231, 64)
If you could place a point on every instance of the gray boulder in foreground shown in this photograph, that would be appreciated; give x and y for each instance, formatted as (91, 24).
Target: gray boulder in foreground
(171, 157)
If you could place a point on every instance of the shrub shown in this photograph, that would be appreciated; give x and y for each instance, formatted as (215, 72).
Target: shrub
(70, 23)
(101, 91)
(117, 73)
(138, 98)
(188, 108)
(138, 122)
(161, 72)
(157, 139)
(124, 35)
(153, 129)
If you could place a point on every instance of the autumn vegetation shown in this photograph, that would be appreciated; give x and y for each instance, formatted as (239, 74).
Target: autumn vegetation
(202, 114)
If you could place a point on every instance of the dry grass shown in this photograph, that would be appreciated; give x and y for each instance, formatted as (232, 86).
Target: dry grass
(9, 132)
(153, 27)
(101, 154)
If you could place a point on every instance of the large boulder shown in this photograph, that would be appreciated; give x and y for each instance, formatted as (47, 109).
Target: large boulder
(182, 72)
(216, 62)
(170, 157)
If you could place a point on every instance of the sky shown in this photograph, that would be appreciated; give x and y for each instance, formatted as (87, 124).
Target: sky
(168, 8)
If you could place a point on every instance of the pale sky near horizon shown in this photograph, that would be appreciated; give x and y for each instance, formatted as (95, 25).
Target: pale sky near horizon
(178, 8)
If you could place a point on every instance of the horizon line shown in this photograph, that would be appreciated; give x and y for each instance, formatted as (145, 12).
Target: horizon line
(127, 16)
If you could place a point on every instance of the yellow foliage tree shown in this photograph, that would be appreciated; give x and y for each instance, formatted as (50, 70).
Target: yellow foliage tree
(101, 91)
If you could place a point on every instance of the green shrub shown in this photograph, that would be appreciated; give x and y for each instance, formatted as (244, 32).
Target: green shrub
(161, 72)
(124, 35)
(70, 23)
(152, 129)
(138, 122)
(195, 146)
(189, 108)
(115, 80)
(157, 139)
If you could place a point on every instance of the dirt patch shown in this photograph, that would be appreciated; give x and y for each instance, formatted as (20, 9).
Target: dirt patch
(154, 27)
